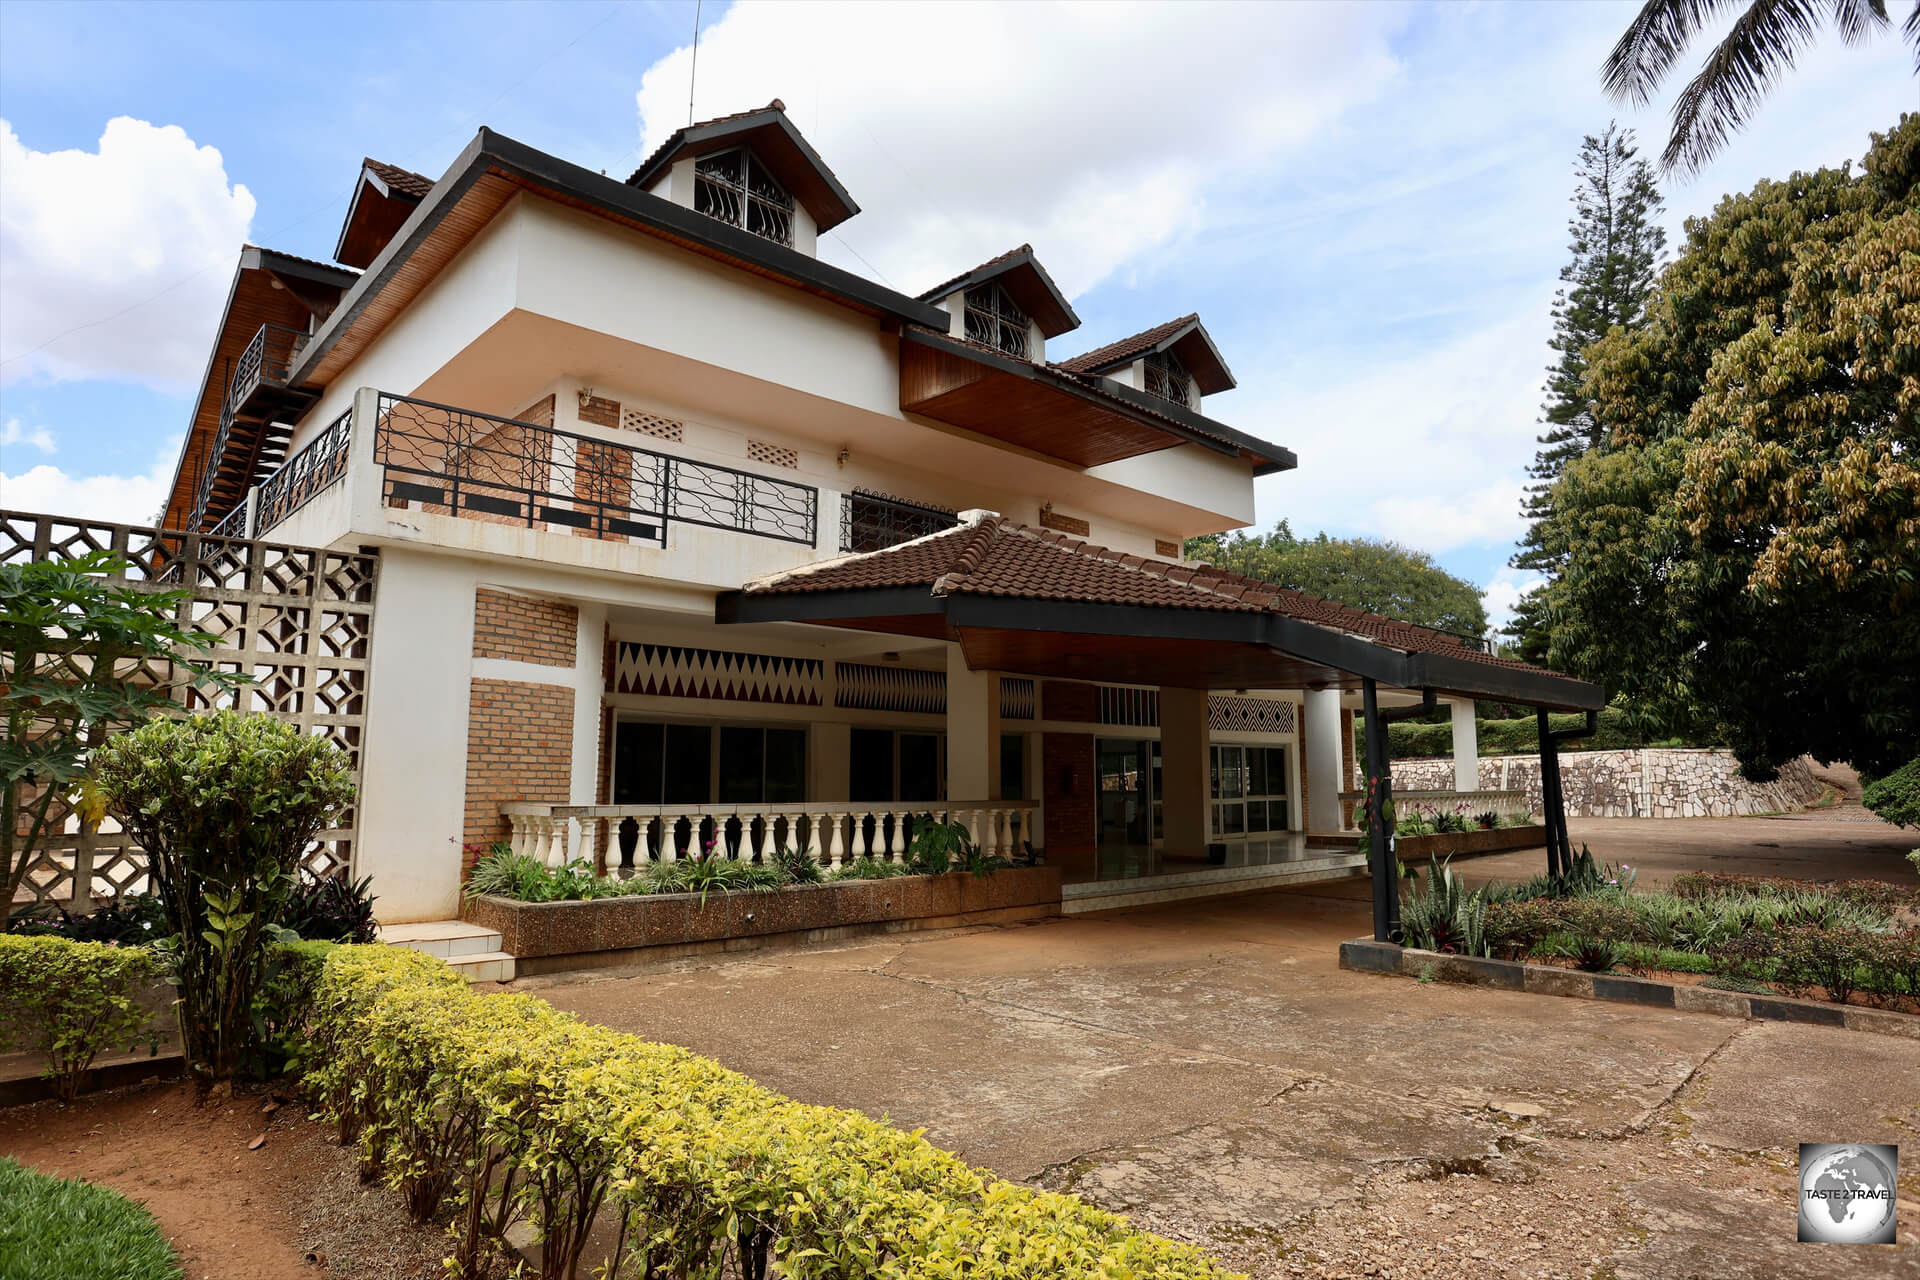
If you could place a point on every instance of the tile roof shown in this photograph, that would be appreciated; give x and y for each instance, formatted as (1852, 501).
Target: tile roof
(405, 181)
(945, 287)
(673, 139)
(1127, 348)
(989, 555)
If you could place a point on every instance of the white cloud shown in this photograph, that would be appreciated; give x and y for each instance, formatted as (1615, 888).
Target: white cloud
(136, 498)
(12, 434)
(1504, 592)
(964, 131)
(89, 238)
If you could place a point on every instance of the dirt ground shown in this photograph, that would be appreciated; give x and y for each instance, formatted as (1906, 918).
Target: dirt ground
(1207, 1069)
(292, 1207)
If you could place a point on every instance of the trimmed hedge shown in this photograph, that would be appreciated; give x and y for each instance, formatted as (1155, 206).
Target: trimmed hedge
(1412, 740)
(506, 1109)
(72, 1001)
(1896, 797)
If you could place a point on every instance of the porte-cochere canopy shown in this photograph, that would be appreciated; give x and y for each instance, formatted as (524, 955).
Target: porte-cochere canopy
(1037, 602)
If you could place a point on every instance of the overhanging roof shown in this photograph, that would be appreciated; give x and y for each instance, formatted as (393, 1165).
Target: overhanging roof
(1039, 603)
(383, 196)
(1185, 337)
(488, 173)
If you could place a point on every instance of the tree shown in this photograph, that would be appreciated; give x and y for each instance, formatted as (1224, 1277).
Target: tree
(1380, 577)
(1615, 246)
(1746, 551)
(83, 653)
(1735, 78)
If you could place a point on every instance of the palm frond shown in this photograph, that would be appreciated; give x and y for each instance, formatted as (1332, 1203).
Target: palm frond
(1735, 79)
(1652, 43)
(1859, 19)
(1910, 31)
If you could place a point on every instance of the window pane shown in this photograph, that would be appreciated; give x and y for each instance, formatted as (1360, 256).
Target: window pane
(870, 766)
(1213, 773)
(786, 766)
(1277, 815)
(1276, 771)
(636, 763)
(1257, 815)
(1236, 816)
(1233, 773)
(1257, 766)
(742, 765)
(920, 767)
(689, 764)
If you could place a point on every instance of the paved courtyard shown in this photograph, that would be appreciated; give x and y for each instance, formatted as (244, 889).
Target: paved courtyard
(1208, 1069)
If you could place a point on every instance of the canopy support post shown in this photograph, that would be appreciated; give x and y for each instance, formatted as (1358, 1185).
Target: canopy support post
(1381, 857)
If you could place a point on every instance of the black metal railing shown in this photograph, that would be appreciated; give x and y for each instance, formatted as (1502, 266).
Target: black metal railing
(267, 359)
(503, 470)
(318, 463)
(875, 521)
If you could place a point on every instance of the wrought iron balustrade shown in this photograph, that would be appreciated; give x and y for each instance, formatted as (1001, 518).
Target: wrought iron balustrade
(501, 470)
(267, 360)
(874, 521)
(317, 464)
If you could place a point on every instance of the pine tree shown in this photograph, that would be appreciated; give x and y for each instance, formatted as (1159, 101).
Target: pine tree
(1616, 246)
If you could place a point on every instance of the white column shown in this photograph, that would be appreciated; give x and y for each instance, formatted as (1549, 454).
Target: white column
(1320, 740)
(1184, 737)
(973, 729)
(1466, 747)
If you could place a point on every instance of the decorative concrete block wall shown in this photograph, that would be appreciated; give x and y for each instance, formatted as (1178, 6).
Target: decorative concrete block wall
(1648, 782)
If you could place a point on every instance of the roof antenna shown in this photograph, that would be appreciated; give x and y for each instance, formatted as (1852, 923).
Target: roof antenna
(693, 73)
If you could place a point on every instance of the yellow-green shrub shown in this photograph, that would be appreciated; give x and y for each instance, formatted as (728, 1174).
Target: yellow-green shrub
(508, 1109)
(73, 1001)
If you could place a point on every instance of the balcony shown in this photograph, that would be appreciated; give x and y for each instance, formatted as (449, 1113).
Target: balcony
(253, 422)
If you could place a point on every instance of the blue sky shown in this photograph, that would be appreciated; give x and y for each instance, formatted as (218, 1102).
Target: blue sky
(1365, 202)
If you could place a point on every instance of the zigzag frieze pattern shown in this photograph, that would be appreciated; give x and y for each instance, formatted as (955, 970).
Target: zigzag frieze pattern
(718, 675)
(1249, 715)
(868, 688)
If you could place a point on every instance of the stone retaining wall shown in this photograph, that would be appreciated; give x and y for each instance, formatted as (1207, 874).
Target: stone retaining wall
(1646, 782)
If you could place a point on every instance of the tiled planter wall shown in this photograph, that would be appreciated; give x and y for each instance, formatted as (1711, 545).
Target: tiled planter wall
(1647, 782)
(617, 929)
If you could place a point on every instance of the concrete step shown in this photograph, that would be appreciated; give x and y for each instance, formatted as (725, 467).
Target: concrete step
(444, 938)
(1112, 895)
(483, 966)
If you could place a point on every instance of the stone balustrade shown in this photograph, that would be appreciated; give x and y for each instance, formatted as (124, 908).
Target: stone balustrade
(833, 833)
(1508, 804)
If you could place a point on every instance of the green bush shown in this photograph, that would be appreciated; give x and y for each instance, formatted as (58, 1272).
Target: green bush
(1516, 927)
(57, 1227)
(72, 1001)
(1830, 960)
(504, 1110)
(1896, 797)
(225, 806)
(1412, 738)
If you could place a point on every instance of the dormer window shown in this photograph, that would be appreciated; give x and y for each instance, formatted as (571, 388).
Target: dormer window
(1168, 378)
(993, 319)
(736, 188)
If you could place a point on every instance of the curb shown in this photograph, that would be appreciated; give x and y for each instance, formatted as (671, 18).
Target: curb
(1365, 955)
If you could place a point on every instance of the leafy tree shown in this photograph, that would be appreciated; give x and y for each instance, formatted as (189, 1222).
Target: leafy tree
(83, 652)
(1746, 551)
(1734, 80)
(224, 805)
(1380, 577)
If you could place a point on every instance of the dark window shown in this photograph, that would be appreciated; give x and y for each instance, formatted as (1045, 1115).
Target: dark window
(1168, 378)
(993, 319)
(920, 766)
(734, 187)
(870, 766)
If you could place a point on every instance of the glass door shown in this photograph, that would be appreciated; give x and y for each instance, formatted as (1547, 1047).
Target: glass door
(1125, 817)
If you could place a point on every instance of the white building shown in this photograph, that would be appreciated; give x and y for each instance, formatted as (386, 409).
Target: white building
(576, 416)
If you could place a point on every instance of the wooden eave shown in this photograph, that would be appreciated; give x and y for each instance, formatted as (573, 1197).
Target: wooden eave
(1056, 414)
(252, 301)
(373, 218)
(488, 173)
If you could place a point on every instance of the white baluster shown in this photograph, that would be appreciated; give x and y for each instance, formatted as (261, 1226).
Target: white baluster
(790, 837)
(897, 843)
(836, 841)
(763, 846)
(589, 828)
(670, 838)
(815, 849)
(860, 834)
(517, 833)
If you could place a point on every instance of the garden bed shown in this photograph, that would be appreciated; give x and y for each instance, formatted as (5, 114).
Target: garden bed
(548, 936)
(1680, 991)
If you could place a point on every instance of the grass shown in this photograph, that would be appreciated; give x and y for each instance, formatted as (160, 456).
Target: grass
(66, 1229)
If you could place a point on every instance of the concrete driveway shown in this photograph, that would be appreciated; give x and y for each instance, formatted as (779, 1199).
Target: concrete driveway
(1207, 1069)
